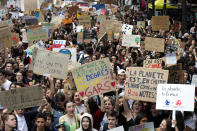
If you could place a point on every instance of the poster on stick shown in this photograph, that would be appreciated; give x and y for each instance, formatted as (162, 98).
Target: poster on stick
(154, 44)
(152, 63)
(21, 98)
(46, 62)
(142, 83)
(160, 23)
(178, 97)
(94, 77)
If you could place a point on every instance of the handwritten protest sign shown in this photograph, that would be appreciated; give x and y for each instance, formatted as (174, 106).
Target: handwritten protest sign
(30, 5)
(148, 126)
(5, 37)
(58, 44)
(140, 24)
(127, 29)
(131, 40)
(94, 77)
(37, 34)
(46, 62)
(85, 21)
(142, 83)
(176, 77)
(160, 23)
(175, 97)
(21, 98)
(71, 52)
(154, 44)
(152, 63)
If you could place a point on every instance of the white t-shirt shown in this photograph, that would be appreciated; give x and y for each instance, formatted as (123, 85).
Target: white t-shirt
(22, 125)
(6, 85)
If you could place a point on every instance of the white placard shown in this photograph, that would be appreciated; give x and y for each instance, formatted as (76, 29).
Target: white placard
(194, 80)
(171, 58)
(58, 44)
(120, 128)
(131, 40)
(175, 97)
(127, 29)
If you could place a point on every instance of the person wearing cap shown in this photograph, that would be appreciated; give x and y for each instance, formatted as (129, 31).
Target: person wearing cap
(121, 80)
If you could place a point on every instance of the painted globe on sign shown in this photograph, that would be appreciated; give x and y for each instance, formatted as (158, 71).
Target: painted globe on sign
(67, 52)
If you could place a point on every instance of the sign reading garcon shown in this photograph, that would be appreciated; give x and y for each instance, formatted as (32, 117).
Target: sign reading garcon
(142, 83)
(94, 77)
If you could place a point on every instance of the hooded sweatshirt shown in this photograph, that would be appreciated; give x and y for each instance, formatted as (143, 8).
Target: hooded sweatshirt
(86, 115)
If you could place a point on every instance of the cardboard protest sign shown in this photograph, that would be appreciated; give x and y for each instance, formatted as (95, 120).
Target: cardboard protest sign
(142, 83)
(30, 5)
(148, 126)
(37, 34)
(131, 40)
(176, 77)
(94, 77)
(127, 29)
(140, 24)
(58, 44)
(160, 23)
(5, 37)
(120, 128)
(46, 62)
(21, 98)
(175, 97)
(154, 44)
(85, 21)
(194, 80)
(152, 63)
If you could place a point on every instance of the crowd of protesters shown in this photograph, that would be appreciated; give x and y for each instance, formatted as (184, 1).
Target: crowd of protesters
(66, 111)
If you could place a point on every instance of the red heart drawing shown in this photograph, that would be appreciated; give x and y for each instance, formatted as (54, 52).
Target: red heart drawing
(113, 84)
(81, 93)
